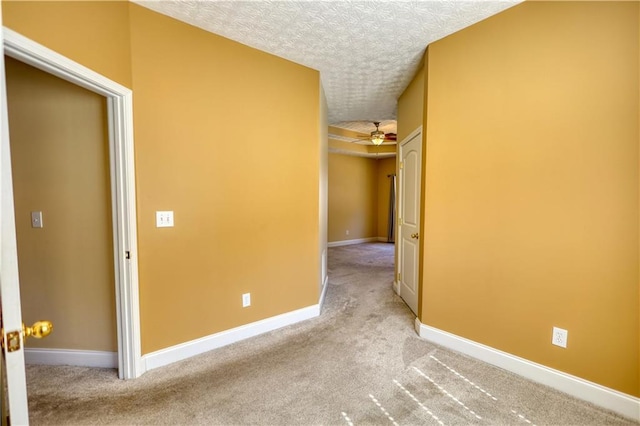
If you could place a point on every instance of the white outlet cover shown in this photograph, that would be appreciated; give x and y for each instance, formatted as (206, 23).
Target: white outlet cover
(559, 337)
(246, 300)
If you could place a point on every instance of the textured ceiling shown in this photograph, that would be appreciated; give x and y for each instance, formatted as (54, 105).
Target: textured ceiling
(367, 52)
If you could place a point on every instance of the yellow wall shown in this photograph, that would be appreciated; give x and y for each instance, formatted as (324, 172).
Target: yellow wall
(353, 197)
(358, 196)
(228, 138)
(386, 166)
(531, 210)
(93, 33)
(60, 163)
(410, 105)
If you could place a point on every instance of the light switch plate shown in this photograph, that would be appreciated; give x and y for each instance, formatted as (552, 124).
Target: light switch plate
(164, 219)
(36, 220)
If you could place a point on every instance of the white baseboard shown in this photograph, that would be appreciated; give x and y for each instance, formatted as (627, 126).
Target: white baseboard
(324, 291)
(350, 242)
(383, 239)
(196, 347)
(621, 403)
(396, 288)
(74, 357)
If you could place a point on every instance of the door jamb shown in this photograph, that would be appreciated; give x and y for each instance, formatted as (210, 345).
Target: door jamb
(123, 196)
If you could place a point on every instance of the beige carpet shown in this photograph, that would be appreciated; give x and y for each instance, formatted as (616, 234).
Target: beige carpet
(359, 363)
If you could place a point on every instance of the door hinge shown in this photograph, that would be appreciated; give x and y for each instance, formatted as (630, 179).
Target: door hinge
(399, 221)
(399, 276)
(127, 255)
(402, 165)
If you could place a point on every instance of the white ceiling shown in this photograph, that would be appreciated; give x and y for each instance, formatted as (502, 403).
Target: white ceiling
(367, 52)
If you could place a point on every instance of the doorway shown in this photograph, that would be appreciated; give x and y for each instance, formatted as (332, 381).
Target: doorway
(122, 185)
(62, 200)
(360, 212)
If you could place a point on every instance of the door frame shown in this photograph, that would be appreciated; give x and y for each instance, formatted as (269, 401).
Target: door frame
(396, 282)
(122, 175)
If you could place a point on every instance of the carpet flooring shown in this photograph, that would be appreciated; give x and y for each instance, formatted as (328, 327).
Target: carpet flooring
(359, 363)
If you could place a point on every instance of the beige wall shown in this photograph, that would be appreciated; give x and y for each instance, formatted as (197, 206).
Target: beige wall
(386, 166)
(60, 162)
(228, 138)
(353, 197)
(532, 187)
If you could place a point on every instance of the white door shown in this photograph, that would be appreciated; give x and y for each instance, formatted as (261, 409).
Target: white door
(409, 219)
(13, 349)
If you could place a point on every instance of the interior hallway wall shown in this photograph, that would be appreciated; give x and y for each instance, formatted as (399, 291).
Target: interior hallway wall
(532, 206)
(227, 137)
(353, 197)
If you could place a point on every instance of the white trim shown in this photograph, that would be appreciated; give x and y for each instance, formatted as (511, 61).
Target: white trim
(623, 404)
(80, 358)
(120, 109)
(323, 294)
(396, 287)
(14, 387)
(196, 347)
(350, 242)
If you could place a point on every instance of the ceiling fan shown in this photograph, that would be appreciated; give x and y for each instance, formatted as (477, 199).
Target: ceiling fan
(377, 137)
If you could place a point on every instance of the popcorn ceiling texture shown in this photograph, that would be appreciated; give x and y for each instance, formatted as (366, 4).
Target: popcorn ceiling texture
(367, 52)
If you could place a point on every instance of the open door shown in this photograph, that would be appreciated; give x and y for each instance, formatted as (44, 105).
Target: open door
(15, 393)
(409, 218)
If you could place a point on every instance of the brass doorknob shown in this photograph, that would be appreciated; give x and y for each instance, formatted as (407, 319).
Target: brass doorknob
(415, 235)
(11, 342)
(39, 329)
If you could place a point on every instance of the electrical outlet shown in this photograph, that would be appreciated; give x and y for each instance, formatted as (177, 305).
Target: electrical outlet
(559, 337)
(246, 300)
